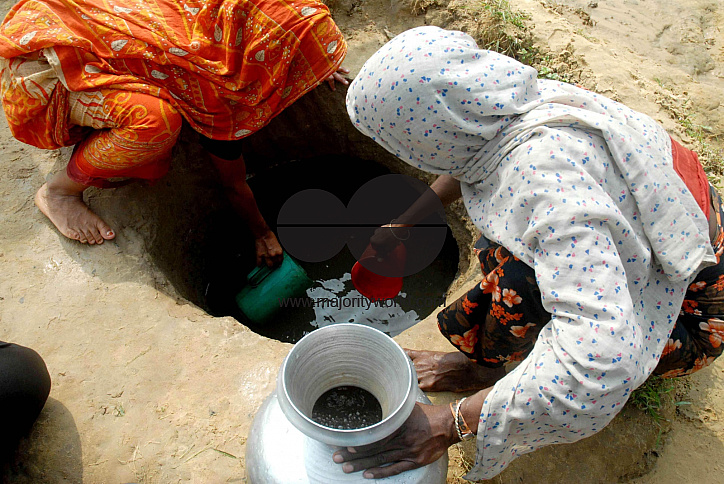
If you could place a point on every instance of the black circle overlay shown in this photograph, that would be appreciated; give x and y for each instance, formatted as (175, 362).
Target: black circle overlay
(314, 225)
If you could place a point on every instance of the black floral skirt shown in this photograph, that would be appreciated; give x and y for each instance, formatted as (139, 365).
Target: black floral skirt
(498, 321)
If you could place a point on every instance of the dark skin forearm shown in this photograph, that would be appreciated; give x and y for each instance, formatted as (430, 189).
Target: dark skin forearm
(445, 188)
(472, 407)
(233, 177)
(244, 203)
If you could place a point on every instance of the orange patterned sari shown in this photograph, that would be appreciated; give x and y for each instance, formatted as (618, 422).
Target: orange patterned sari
(227, 66)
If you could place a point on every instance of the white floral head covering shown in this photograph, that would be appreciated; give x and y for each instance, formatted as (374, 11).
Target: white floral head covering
(433, 98)
(438, 102)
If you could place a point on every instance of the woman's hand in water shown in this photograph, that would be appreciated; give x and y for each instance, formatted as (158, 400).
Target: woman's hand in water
(421, 440)
(268, 250)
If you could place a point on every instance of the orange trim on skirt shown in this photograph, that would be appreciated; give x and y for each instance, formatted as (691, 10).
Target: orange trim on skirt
(139, 143)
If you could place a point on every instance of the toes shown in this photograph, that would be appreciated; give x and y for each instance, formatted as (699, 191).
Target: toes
(98, 233)
(105, 232)
(73, 218)
(96, 237)
(88, 237)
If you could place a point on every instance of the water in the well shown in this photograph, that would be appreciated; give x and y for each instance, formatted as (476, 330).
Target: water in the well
(346, 408)
(332, 298)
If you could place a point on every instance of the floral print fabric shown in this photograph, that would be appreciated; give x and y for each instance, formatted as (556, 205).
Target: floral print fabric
(497, 322)
(228, 66)
(696, 340)
(131, 136)
(580, 189)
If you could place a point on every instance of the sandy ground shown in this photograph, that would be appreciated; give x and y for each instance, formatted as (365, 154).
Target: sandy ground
(149, 388)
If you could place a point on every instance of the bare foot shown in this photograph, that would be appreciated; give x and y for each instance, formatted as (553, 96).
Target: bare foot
(72, 217)
(451, 372)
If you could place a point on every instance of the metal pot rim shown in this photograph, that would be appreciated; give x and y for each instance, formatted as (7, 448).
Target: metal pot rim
(348, 437)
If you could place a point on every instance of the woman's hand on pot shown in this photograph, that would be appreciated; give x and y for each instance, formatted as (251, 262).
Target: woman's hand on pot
(338, 76)
(268, 250)
(421, 440)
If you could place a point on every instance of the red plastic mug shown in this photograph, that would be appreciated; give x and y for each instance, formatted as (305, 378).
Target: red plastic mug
(367, 273)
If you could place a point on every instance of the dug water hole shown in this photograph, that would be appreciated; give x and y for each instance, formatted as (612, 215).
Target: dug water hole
(332, 298)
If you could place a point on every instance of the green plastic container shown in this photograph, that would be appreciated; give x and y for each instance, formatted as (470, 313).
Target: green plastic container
(260, 299)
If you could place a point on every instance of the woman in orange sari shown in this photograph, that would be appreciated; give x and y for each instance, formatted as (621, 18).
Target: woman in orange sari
(116, 79)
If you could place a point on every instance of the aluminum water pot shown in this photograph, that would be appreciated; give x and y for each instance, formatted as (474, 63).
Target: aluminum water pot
(285, 446)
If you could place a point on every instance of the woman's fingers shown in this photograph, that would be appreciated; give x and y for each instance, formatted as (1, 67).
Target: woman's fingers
(376, 466)
(338, 77)
(355, 462)
(268, 250)
(391, 470)
(413, 353)
(388, 444)
(421, 440)
(383, 241)
(275, 255)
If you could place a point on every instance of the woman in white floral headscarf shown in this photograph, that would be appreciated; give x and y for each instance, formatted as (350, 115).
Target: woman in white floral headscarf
(596, 229)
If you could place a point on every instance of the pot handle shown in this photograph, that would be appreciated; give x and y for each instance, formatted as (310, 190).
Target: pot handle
(255, 277)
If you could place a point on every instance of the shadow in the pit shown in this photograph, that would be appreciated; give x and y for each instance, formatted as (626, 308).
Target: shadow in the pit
(229, 255)
(50, 453)
(166, 232)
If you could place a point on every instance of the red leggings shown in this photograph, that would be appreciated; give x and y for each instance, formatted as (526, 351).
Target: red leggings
(132, 136)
